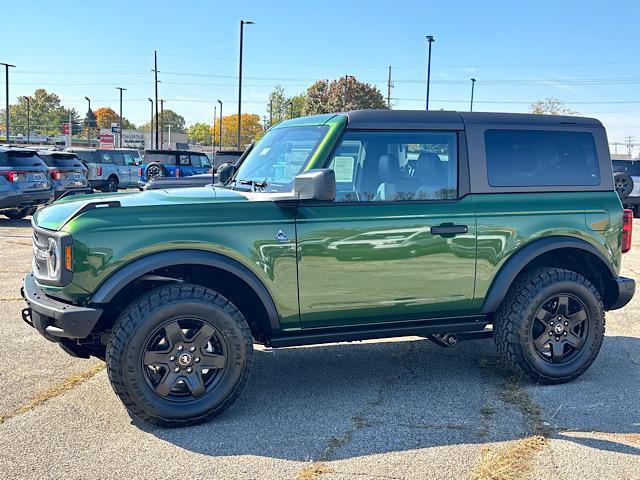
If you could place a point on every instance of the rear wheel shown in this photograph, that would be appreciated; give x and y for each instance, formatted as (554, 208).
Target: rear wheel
(623, 184)
(111, 185)
(155, 170)
(179, 355)
(19, 213)
(550, 326)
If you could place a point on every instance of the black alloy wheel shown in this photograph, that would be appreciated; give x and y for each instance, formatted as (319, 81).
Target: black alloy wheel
(560, 328)
(184, 359)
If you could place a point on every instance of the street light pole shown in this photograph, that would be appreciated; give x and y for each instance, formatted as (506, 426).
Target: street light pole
(88, 122)
(346, 87)
(6, 76)
(473, 83)
(430, 39)
(155, 72)
(28, 99)
(151, 125)
(242, 24)
(121, 122)
(161, 124)
(220, 125)
(215, 118)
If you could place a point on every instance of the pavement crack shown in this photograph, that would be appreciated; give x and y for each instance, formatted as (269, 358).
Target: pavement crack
(68, 384)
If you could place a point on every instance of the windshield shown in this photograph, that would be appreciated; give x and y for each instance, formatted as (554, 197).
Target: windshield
(278, 157)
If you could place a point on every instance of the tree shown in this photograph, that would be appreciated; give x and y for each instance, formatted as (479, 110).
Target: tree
(281, 107)
(105, 116)
(251, 130)
(551, 106)
(343, 94)
(201, 132)
(170, 118)
(297, 105)
(45, 111)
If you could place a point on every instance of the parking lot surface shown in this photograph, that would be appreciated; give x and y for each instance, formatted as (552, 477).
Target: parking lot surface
(402, 408)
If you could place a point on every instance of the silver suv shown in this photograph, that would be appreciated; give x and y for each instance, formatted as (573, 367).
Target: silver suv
(108, 170)
(66, 172)
(626, 174)
(24, 182)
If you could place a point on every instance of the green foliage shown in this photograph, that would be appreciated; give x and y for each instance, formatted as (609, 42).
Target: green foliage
(551, 106)
(170, 118)
(200, 132)
(342, 95)
(46, 114)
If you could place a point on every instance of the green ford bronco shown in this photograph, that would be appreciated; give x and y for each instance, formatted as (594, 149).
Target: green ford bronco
(341, 227)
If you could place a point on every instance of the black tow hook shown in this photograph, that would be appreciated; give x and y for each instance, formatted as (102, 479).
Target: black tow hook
(26, 316)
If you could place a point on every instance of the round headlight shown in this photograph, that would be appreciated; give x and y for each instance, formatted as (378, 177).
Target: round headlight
(53, 258)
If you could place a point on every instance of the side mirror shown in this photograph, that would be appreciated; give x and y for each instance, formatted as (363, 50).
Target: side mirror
(225, 172)
(317, 184)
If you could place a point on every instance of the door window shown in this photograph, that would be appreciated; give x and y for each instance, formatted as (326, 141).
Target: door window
(128, 159)
(385, 166)
(118, 158)
(183, 160)
(107, 158)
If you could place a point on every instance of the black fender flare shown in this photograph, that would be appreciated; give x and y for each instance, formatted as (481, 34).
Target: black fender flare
(521, 258)
(130, 272)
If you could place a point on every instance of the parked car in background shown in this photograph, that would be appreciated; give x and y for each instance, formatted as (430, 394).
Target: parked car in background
(626, 174)
(226, 156)
(172, 163)
(66, 171)
(24, 182)
(199, 180)
(108, 170)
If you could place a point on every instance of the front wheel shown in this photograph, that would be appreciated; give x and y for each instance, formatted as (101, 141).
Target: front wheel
(550, 325)
(179, 355)
(111, 185)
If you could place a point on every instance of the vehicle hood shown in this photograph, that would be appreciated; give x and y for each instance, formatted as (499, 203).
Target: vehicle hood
(56, 215)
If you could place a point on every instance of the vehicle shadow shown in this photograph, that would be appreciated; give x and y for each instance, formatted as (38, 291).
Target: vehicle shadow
(22, 223)
(334, 402)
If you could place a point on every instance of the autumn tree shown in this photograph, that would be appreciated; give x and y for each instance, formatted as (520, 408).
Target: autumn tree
(341, 95)
(105, 116)
(251, 130)
(551, 106)
(201, 132)
(170, 118)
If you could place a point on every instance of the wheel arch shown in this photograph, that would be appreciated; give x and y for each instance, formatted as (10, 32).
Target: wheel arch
(558, 251)
(203, 265)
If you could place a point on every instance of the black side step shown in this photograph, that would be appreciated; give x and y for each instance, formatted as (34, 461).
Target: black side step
(421, 328)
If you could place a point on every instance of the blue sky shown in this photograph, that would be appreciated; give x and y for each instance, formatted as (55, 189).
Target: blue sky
(584, 53)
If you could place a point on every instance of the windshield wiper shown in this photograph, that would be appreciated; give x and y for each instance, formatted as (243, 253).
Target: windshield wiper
(255, 184)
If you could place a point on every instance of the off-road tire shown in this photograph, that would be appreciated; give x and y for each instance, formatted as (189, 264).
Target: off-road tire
(156, 170)
(512, 324)
(623, 184)
(129, 336)
(111, 185)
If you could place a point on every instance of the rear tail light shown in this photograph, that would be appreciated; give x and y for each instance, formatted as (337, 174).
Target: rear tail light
(140, 172)
(56, 174)
(177, 172)
(627, 230)
(99, 171)
(14, 176)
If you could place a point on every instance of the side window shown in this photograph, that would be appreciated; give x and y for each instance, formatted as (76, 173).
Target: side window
(195, 160)
(106, 158)
(385, 166)
(540, 158)
(118, 158)
(128, 159)
(183, 160)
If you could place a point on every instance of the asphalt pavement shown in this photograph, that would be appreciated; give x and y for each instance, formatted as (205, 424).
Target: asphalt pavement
(393, 409)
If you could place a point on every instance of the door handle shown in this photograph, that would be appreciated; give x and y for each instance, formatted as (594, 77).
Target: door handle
(450, 229)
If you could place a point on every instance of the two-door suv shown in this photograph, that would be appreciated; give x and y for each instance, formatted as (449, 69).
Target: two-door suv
(342, 227)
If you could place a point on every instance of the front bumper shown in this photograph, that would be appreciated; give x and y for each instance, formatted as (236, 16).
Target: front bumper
(623, 293)
(55, 319)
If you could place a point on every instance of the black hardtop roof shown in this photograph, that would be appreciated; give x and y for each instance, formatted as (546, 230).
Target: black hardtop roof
(175, 152)
(419, 118)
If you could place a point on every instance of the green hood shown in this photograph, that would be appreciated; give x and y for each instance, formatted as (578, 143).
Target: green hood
(56, 215)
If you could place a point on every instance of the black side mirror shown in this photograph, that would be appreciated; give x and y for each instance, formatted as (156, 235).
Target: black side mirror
(318, 184)
(225, 172)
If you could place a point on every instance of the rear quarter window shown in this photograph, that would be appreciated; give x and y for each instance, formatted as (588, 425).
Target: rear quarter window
(541, 158)
(162, 158)
(87, 157)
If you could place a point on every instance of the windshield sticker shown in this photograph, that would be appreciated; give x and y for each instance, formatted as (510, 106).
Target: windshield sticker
(343, 168)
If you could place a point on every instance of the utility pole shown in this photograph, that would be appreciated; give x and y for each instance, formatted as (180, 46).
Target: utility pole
(215, 113)
(161, 124)
(70, 129)
(629, 139)
(121, 122)
(430, 39)
(346, 86)
(220, 125)
(473, 83)
(28, 99)
(155, 72)
(88, 122)
(270, 112)
(6, 77)
(151, 125)
(389, 86)
(242, 24)
(169, 136)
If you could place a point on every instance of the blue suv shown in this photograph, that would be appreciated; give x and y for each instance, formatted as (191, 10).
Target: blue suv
(172, 163)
